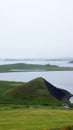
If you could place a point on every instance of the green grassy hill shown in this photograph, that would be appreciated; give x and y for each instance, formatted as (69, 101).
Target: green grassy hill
(36, 92)
(33, 92)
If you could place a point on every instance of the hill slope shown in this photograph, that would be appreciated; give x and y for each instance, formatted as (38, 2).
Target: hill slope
(37, 92)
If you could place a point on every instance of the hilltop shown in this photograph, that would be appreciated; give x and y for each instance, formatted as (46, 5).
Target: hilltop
(36, 92)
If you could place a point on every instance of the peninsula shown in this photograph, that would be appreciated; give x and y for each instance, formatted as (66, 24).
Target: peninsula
(22, 67)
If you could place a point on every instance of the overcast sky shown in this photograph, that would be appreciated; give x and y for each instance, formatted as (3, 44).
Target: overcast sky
(36, 28)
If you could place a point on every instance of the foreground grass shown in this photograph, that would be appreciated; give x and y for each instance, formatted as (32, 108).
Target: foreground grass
(34, 118)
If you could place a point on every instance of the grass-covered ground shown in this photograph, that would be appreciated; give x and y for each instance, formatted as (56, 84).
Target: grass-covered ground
(32, 67)
(16, 115)
(5, 86)
(35, 119)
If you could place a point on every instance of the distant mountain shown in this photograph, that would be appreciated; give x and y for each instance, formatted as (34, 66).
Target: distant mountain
(38, 92)
(38, 59)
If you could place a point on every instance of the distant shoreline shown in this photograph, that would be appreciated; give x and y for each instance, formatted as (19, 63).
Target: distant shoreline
(23, 67)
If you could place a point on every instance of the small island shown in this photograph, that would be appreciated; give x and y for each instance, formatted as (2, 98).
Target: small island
(23, 67)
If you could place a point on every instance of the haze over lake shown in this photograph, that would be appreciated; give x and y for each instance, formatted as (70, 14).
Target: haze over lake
(43, 62)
